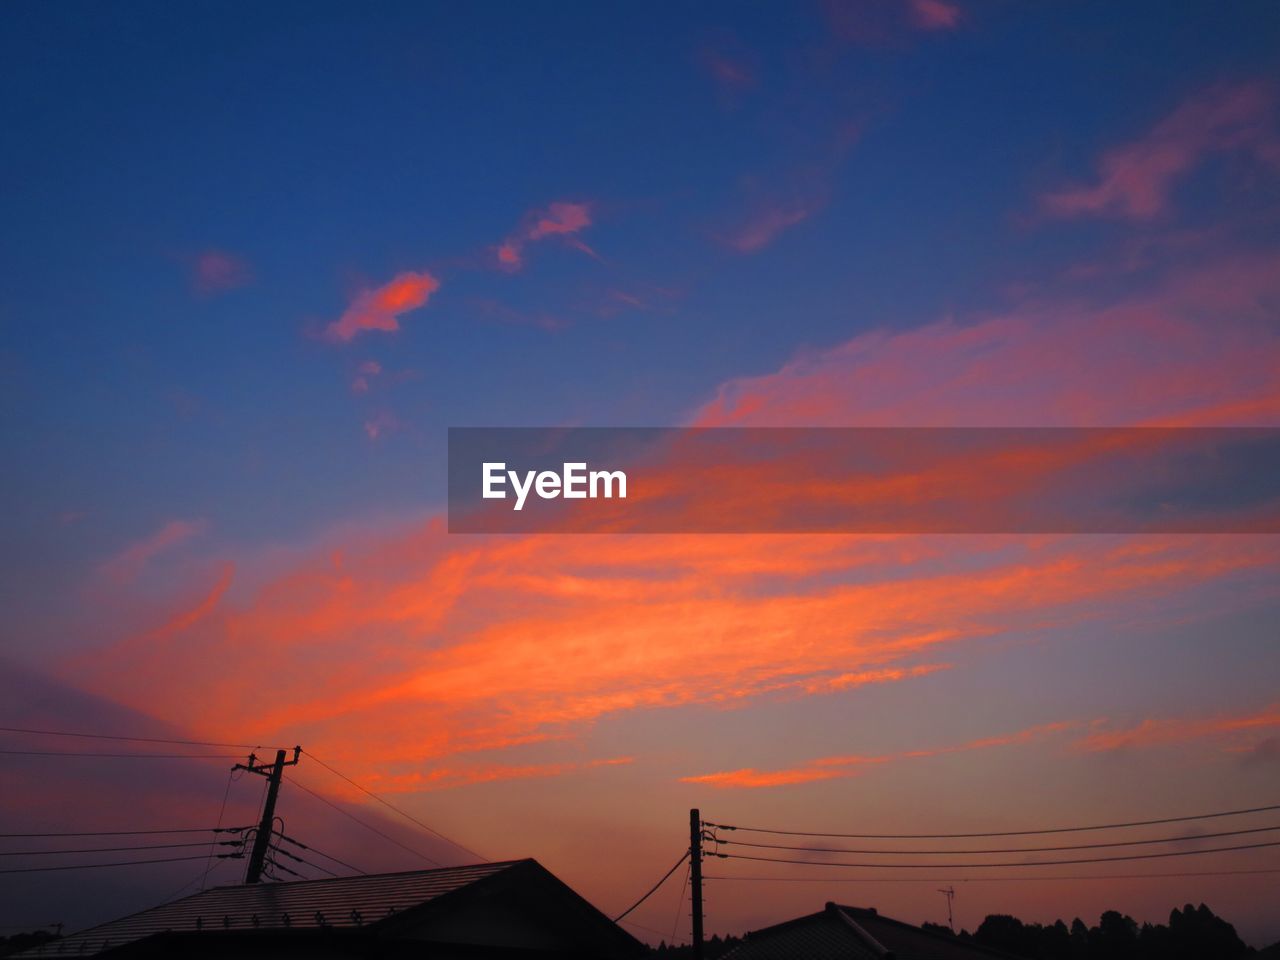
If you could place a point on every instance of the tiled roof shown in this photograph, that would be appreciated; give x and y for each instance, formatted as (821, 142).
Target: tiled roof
(340, 902)
(853, 933)
(820, 936)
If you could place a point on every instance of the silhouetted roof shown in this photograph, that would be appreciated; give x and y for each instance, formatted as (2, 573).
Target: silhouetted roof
(379, 905)
(854, 933)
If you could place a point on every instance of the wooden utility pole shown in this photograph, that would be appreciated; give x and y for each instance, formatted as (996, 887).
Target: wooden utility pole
(262, 839)
(695, 878)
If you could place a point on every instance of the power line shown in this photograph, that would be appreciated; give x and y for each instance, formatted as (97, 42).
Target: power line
(327, 856)
(107, 736)
(1006, 833)
(222, 809)
(654, 889)
(675, 924)
(1015, 863)
(145, 846)
(125, 833)
(641, 926)
(278, 851)
(1081, 846)
(370, 827)
(117, 863)
(391, 806)
(119, 756)
(1053, 877)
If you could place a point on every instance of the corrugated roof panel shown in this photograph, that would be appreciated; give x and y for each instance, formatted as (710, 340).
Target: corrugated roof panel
(340, 902)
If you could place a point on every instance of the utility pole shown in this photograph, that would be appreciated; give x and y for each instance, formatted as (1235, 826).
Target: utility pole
(950, 894)
(695, 878)
(262, 839)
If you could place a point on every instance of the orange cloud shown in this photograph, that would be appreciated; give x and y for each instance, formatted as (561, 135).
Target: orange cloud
(559, 219)
(1135, 180)
(381, 309)
(1154, 732)
(418, 646)
(430, 647)
(827, 768)
(1048, 363)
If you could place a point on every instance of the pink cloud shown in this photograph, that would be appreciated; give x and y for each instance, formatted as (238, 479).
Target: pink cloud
(731, 75)
(559, 219)
(1065, 363)
(1135, 180)
(381, 309)
(128, 563)
(758, 232)
(216, 271)
(1178, 730)
(934, 14)
(381, 424)
(884, 22)
(364, 373)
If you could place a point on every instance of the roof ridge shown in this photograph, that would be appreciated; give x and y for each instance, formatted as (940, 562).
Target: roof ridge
(875, 945)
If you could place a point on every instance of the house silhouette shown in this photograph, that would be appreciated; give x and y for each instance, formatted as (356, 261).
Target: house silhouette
(511, 909)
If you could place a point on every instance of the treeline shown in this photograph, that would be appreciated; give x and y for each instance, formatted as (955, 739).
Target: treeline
(24, 941)
(712, 948)
(1193, 933)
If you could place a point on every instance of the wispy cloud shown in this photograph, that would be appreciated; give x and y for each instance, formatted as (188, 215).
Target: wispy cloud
(1135, 180)
(1166, 730)
(1196, 370)
(828, 768)
(888, 22)
(559, 219)
(364, 375)
(381, 308)
(766, 224)
(934, 14)
(217, 271)
(126, 565)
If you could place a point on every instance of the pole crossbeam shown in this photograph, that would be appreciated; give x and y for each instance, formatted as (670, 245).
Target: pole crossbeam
(262, 839)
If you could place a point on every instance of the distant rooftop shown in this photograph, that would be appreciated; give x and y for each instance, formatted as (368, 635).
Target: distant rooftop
(855, 933)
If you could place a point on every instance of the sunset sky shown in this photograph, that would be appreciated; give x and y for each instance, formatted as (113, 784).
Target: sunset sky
(259, 258)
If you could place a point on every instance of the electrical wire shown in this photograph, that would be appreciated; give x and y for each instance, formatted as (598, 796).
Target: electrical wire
(327, 856)
(293, 856)
(1052, 877)
(107, 736)
(121, 756)
(654, 889)
(391, 806)
(1006, 833)
(1081, 846)
(675, 924)
(147, 846)
(370, 827)
(117, 863)
(1014, 863)
(126, 833)
(222, 809)
(641, 926)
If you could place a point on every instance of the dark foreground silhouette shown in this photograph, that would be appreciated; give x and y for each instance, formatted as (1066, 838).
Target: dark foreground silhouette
(1193, 933)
